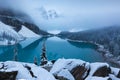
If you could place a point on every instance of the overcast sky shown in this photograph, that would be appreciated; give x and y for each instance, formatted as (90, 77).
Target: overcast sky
(74, 14)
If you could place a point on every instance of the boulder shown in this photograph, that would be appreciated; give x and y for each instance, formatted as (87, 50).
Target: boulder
(79, 72)
(99, 69)
(102, 71)
(8, 75)
(118, 74)
(77, 69)
(64, 75)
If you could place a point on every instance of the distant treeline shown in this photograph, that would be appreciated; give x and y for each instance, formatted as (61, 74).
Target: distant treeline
(109, 37)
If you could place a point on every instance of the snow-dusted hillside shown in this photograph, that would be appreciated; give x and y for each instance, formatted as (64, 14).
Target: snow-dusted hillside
(8, 35)
(27, 32)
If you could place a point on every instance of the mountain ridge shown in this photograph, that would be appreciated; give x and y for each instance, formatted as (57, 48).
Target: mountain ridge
(15, 20)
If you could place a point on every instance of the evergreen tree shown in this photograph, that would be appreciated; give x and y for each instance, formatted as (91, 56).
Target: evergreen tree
(35, 61)
(43, 55)
(15, 58)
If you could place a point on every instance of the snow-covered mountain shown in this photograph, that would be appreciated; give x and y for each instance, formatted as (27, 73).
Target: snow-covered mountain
(8, 35)
(16, 26)
(16, 19)
(48, 14)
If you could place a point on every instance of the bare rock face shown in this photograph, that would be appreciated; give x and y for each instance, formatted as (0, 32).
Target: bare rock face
(79, 72)
(118, 75)
(8, 75)
(102, 71)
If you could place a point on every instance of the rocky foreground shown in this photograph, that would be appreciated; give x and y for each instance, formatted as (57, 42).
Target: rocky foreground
(62, 69)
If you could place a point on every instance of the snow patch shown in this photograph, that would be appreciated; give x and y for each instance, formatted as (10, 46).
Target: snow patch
(23, 72)
(8, 35)
(97, 78)
(96, 66)
(115, 71)
(68, 64)
(66, 74)
(27, 32)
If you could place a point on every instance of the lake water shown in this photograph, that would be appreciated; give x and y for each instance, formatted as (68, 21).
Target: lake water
(56, 48)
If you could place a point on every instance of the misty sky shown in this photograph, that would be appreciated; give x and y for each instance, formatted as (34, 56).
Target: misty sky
(74, 15)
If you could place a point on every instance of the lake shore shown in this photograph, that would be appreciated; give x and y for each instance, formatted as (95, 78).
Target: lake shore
(106, 53)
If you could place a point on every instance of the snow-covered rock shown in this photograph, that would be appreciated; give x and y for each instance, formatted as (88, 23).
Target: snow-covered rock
(81, 70)
(99, 69)
(66, 74)
(62, 69)
(26, 71)
(67, 64)
(27, 32)
(97, 78)
(73, 66)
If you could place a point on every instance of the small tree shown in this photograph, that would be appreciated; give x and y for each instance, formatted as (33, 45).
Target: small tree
(43, 55)
(15, 58)
(35, 61)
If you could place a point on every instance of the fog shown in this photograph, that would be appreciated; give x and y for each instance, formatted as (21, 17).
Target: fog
(73, 15)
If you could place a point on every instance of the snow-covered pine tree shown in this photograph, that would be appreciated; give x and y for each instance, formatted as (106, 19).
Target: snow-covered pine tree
(43, 55)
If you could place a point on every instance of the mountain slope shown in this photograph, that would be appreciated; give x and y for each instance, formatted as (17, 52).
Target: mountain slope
(108, 38)
(27, 33)
(17, 19)
(8, 35)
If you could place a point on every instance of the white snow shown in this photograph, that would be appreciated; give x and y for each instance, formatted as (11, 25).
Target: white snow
(67, 64)
(27, 32)
(60, 68)
(8, 30)
(115, 71)
(23, 73)
(95, 66)
(66, 74)
(64, 66)
(97, 78)
(113, 77)
(5, 42)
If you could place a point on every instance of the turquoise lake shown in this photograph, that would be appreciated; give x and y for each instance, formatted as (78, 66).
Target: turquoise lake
(56, 48)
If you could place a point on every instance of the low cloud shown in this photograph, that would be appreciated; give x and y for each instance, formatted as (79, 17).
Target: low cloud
(74, 14)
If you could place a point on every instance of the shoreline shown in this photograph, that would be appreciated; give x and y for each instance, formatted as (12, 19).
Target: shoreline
(106, 53)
